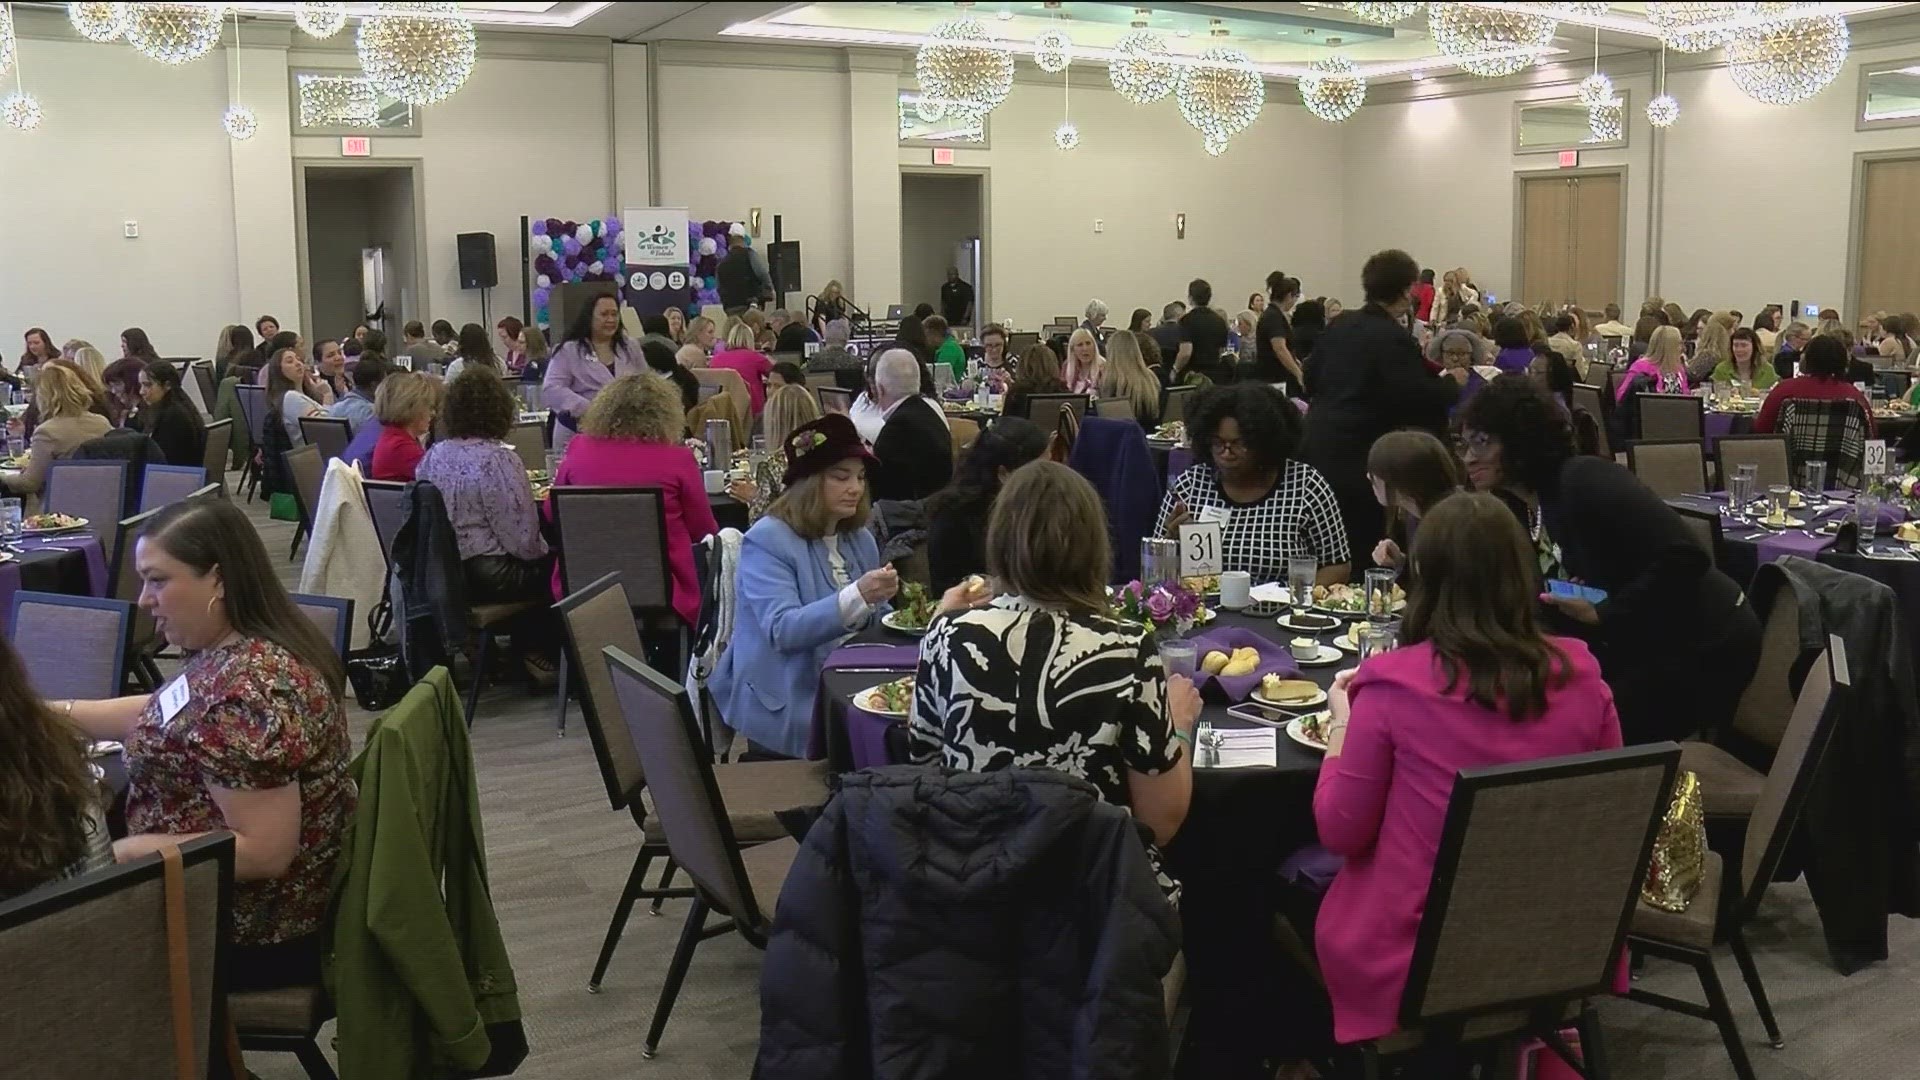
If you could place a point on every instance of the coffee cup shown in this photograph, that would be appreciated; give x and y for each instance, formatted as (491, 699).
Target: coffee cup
(716, 481)
(1236, 588)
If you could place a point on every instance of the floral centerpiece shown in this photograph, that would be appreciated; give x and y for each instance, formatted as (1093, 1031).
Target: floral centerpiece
(1167, 605)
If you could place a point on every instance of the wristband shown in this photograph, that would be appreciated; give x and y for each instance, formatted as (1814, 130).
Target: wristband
(1183, 736)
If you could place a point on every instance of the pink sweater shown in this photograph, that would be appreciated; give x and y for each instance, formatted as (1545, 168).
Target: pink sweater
(1382, 803)
(593, 462)
(753, 367)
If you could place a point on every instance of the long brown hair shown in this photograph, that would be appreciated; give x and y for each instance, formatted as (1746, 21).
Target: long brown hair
(1472, 594)
(206, 534)
(1047, 538)
(1413, 464)
(46, 790)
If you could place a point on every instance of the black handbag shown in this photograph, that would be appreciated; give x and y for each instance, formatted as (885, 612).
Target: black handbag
(377, 673)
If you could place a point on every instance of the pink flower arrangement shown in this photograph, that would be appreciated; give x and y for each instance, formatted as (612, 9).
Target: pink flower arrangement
(1168, 602)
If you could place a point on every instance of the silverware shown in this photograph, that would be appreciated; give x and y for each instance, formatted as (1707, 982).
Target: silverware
(868, 670)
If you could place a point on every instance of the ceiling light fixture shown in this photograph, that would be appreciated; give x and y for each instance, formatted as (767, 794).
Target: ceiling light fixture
(9, 43)
(1332, 89)
(20, 110)
(1596, 88)
(1221, 94)
(1606, 122)
(98, 22)
(1788, 59)
(174, 33)
(320, 20)
(964, 67)
(1490, 42)
(1694, 27)
(1662, 109)
(239, 120)
(344, 101)
(419, 53)
(1141, 72)
(1385, 14)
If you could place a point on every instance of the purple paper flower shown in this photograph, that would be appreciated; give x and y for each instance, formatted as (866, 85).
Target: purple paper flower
(538, 228)
(555, 226)
(1159, 605)
(540, 297)
(1185, 604)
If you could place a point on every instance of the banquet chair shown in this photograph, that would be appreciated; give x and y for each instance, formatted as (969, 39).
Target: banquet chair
(596, 618)
(1173, 404)
(1729, 786)
(165, 484)
(1486, 969)
(529, 441)
(1766, 452)
(1833, 431)
(73, 647)
(387, 506)
(143, 640)
(834, 399)
(201, 372)
(219, 444)
(705, 391)
(1586, 398)
(1669, 468)
(741, 885)
(1042, 409)
(1600, 373)
(1689, 936)
(330, 434)
(309, 473)
(253, 406)
(1895, 384)
(95, 490)
(963, 433)
(736, 388)
(1670, 417)
(818, 379)
(332, 616)
(1114, 408)
(100, 945)
(1705, 527)
(620, 531)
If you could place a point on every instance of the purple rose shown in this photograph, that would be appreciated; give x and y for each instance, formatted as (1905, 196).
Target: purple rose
(1159, 605)
(1185, 604)
(538, 228)
(555, 226)
(544, 264)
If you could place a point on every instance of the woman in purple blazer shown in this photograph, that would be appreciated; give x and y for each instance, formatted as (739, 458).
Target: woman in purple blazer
(595, 352)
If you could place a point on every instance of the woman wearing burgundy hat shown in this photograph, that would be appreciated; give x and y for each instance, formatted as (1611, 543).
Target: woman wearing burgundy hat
(810, 575)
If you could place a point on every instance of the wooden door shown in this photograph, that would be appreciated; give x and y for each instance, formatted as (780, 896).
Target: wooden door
(1593, 271)
(1546, 235)
(1889, 222)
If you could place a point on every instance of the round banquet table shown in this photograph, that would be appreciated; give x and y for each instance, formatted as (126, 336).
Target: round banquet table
(1243, 822)
(728, 512)
(1891, 426)
(73, 565)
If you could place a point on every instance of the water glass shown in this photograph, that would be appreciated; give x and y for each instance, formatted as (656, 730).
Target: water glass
(1777, 496)
(1379, 594)
(1814, 477)
(17, 448)
(719, 434)
(1159, 560)
(1300, 575)
(1179, 656)
(1866, 513)
(12, 520)
(1375, 639)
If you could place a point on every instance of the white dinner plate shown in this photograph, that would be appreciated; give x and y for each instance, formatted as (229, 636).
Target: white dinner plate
(1327, 655)
(1286, 623)
(892, 621)
(869, 700)
(1297, 734)
(31, 531)
(1319, 698)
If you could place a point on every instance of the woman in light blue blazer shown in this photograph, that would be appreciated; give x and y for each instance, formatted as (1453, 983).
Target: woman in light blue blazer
(809, 576)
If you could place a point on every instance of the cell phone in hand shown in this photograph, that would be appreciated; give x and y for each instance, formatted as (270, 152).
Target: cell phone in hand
(1559, 587)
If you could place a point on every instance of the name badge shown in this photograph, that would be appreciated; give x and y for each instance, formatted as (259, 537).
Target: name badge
(174, 697)
(1218, 515)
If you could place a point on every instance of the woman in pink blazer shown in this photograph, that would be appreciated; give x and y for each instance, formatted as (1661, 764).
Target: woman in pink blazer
(1474, 683)
(630, 437)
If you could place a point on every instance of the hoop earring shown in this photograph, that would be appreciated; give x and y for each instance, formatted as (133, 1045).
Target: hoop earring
(210, 604)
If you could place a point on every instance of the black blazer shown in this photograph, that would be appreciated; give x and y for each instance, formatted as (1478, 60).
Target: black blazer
(1368, 379)
(915, 452)
(177, 427)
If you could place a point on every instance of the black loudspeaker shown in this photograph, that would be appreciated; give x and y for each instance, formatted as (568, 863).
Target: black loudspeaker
(477, 269)
(783, 263)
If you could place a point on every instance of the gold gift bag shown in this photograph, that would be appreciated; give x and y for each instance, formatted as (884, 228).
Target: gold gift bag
(1680, 849)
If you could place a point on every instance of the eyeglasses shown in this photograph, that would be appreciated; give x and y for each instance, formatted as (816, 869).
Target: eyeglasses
(1229, 446)
(1477, 442)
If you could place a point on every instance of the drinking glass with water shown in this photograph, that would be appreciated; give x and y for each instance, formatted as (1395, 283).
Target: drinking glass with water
(13, 521)
(1740, 488)
(1300, 575)
(1814, 477)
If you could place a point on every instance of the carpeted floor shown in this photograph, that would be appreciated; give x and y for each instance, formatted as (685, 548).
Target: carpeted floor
(559, 857)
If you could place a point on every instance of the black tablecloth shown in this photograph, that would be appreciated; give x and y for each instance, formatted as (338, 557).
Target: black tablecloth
(730, 512)
(48, 570)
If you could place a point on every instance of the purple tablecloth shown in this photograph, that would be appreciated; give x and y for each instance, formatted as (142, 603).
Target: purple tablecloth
(866, 732)
(1274, 659)
(1770, 544)
(86, 546)
(1725, 423)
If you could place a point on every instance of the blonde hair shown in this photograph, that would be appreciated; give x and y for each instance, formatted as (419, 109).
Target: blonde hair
(60, 391)
(534, 342)
(691, 357)
(88, 359)
(1047, 538)
(803, 506)
(740, 335)
(405, 396)
(1070, 372)
(642, 407)
(1663, 348)
(1716, 337)
(1246, 318)
(787, 408)
(1127, 376)
(697, 324)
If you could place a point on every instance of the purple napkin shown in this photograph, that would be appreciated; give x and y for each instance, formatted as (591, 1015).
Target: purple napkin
(904, 657)
(1274, 659)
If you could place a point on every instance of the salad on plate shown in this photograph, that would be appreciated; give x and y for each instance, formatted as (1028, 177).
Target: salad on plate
(888, 699)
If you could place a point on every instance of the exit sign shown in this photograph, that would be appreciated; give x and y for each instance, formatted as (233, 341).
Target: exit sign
(1569, 159)
(356, 146)
(943, 155)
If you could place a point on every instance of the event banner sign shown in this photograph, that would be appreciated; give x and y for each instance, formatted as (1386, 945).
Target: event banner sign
(657, 254)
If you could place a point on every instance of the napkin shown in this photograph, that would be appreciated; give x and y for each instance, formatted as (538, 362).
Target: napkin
(1274, 659)
(904, 657)
(1245, 748)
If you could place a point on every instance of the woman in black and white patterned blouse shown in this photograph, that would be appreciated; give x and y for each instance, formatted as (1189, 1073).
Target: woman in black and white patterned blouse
(1042, 676)
(1272, 508)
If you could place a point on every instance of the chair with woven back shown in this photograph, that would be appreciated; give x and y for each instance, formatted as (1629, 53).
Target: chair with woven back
(387, 506)
(597, 618)
(1671, 417)
(219, 443)
(1705, 527)
(620, 531)
(730, 381)
(1114, 408)
(143, 641)
(332, 616)
(1729, 896)
(329, 434)
(818, 379)
(94, 490)
(1173, 406)
(253, 406)
(1730, 786)
(742, 885)
(1767, 453)
(72, 647)
(1586, 398)
(201, 375)
(1671, 468)
(309, 473)
(1043, 409)
(1831, 430)
(164, 484)
(120, 972)
(834, 399)
(1600, 373)
(528, 438)
(1484, 968)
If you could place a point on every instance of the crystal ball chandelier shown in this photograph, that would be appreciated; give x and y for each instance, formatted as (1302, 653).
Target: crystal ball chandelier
(1384, 14)
(1490, 42)
(174, 33)
(1662, 111)
(1333, 89)
(962, 66)
(1067, 135)
(1783, 61)
(320, 20)
(1691, 27)
(1141, 72)
(1052, 51)
(1221, 95)
(338, 101)
(1596, 89)
(98, 22)
(240, 122)
(21, 110)
(1607, 121)
(419, 53)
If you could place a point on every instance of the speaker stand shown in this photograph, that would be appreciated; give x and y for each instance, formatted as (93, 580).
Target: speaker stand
(486, 308)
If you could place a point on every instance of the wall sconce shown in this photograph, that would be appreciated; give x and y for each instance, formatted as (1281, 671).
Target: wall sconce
(1179, 226)
(753, 222)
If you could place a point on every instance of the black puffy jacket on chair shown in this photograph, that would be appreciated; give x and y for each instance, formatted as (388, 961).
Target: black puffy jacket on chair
(968, 926)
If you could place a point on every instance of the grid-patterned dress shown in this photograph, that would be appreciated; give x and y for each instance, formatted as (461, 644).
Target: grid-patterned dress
(1299, 518)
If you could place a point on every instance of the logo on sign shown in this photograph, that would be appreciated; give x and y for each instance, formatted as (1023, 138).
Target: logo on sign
(660, 244)
(676, 280)
(658, 280)
(638, 283)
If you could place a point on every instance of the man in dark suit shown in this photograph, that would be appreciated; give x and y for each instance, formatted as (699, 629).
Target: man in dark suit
(914, 448)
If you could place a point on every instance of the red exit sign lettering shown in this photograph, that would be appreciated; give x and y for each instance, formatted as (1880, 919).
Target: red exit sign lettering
(943, 155)
(1569, 159)
(356, 146)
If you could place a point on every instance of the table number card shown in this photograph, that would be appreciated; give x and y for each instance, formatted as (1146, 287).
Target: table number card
(1876, 461)
(1199, 548)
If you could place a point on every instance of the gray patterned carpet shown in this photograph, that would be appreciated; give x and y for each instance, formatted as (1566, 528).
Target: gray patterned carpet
(559, 857)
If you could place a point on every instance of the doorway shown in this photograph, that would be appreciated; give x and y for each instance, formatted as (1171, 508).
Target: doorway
(361, 255)
(943, 224)
(1572, 246)
(1886, 265)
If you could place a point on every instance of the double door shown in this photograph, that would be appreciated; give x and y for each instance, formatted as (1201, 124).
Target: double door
(1570, 239)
